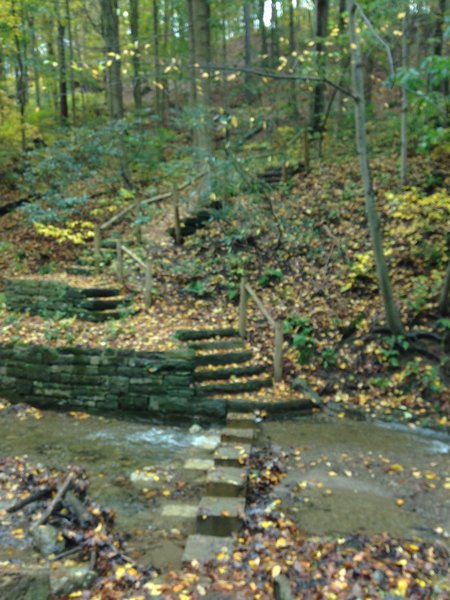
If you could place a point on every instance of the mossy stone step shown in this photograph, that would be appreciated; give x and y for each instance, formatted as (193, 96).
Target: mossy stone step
(203, 548)
(100, 292)
(241, 420)
(100, 304)
(217, 374)
(227, 482)
(232, 454)
(220, 516)
(226, 358)
(204, 334)
(234, 387)
(270, 406)
(217, 345)
(244, 436)
(106, 315)
(83, 271)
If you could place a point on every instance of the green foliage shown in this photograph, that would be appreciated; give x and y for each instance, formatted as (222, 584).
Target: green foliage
(269, 276)
(301, 331)
(392, 349)
(198, 288)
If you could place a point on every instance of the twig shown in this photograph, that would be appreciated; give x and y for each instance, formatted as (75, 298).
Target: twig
(56, 500)
(68, 553)
(31, 498)
(379, 38)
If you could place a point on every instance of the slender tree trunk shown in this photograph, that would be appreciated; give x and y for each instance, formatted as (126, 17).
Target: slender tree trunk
(201, 14)
(247, 48)
(292, 44)
(344, 65)
(263, 32)
(73, 91)
(274, 36)
(20, 75)
(445, 293)
(136, 60)
(404, 118)
(224, 52)
(192, 55)
(157, 62)
(61, 30)
(321, 31)
(110, 32)
(390, 308)
(34, 54)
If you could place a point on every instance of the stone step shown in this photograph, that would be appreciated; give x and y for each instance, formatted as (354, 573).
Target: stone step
(102, 316)
(244, 436)
(83, 271)
(101, 304)
(203, 548)
(232, 454)
(101, 292)
(236, 420)
(228, 358)
(220, 516)
(235, 387)
(204, 334)
(217, 374)
(217, 345)
(227, 482)
(199, 464)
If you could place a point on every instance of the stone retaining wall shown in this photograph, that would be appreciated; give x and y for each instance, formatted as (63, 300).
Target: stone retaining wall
(42, 297)
(100, 379)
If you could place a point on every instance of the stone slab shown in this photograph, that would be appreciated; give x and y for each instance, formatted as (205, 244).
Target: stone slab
(205, 547)
(180, 511)
(229, 482)
(237, 420)
(220, 516)
(232, 454)
(245, 436)
(199, 464)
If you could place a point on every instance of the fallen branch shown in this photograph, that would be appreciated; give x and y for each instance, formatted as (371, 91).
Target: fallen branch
(31, 498)
(56, 500)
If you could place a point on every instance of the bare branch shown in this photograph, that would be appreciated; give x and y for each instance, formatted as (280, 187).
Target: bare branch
(275, 75)
(379, 38)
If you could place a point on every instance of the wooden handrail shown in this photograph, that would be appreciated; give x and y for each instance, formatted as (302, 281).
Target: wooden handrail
(148, 284)
(277, 325)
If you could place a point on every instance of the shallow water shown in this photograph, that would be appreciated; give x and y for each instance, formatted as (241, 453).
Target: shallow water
(347, 477)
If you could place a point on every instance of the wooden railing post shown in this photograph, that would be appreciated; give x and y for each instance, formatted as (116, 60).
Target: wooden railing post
(137, 216)
(97, 245)
(306, 148)
(148, 284)
(243, 308)
(278, 352)
(176, 214)
(120, 270)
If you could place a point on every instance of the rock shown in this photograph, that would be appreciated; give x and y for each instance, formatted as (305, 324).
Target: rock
(66, 580)
(46, 540)
(207, 442)
(27, 583)
(145, 479)
(195, 428)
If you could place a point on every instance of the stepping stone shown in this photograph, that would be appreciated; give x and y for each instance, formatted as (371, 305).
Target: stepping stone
(220, 516)
(199, 464)
(217, 345)
(206, 547)
(229, 434)
(180, 511)
(234, 387)
(226, 358)
(232, 455)
(240, 420)
(227, 373)
(204, 334)
(229, 482)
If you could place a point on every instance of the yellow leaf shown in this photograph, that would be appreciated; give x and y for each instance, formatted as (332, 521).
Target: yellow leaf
(120, 572)
(402, 586)
(234, 122)
(281, 543)
(276, 571)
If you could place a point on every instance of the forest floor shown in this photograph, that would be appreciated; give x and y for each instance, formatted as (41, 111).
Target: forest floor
(304, 246)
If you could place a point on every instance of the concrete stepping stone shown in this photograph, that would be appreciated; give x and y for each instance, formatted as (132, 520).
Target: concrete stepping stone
(180, 511)
(237, 420)
(220, 516)
(232, 455)
(230, 434)
(206, 547)
(199, 464)
(229, 482)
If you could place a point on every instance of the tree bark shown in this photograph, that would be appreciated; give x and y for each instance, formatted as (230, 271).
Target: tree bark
(320, 31)
(110, 32)
(157, 62)
(61, 30)
(445, 293)
(247, 48)
(34, 54)
(390, 307)
(136, 60)
(263, 32)
(73, 91)
(274, 40)
(404, 118)
(21, 74)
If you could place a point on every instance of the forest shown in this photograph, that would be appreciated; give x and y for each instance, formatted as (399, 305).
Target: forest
(224, 299)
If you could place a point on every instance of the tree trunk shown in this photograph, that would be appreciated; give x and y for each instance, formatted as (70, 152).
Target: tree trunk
(201, 15)
(136, 60)
(390, 308)
(274, 40)
(110, 32)
(21, 75)
(320, 31)
(263, 31)
(73, 91)
(192, 54)
(247, 48)
(157, 62)
(36, 77)
(404, 119)
(443, 303)
(61, 30)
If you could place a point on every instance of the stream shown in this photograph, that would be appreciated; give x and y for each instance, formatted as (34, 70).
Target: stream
(343, 476)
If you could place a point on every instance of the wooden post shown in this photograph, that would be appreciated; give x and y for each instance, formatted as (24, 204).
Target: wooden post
(97, 244)
(306, 148)
(243, 308)
(137, 214)
(120, 270)
(148, 284)
(278, 352)
(176, 214)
